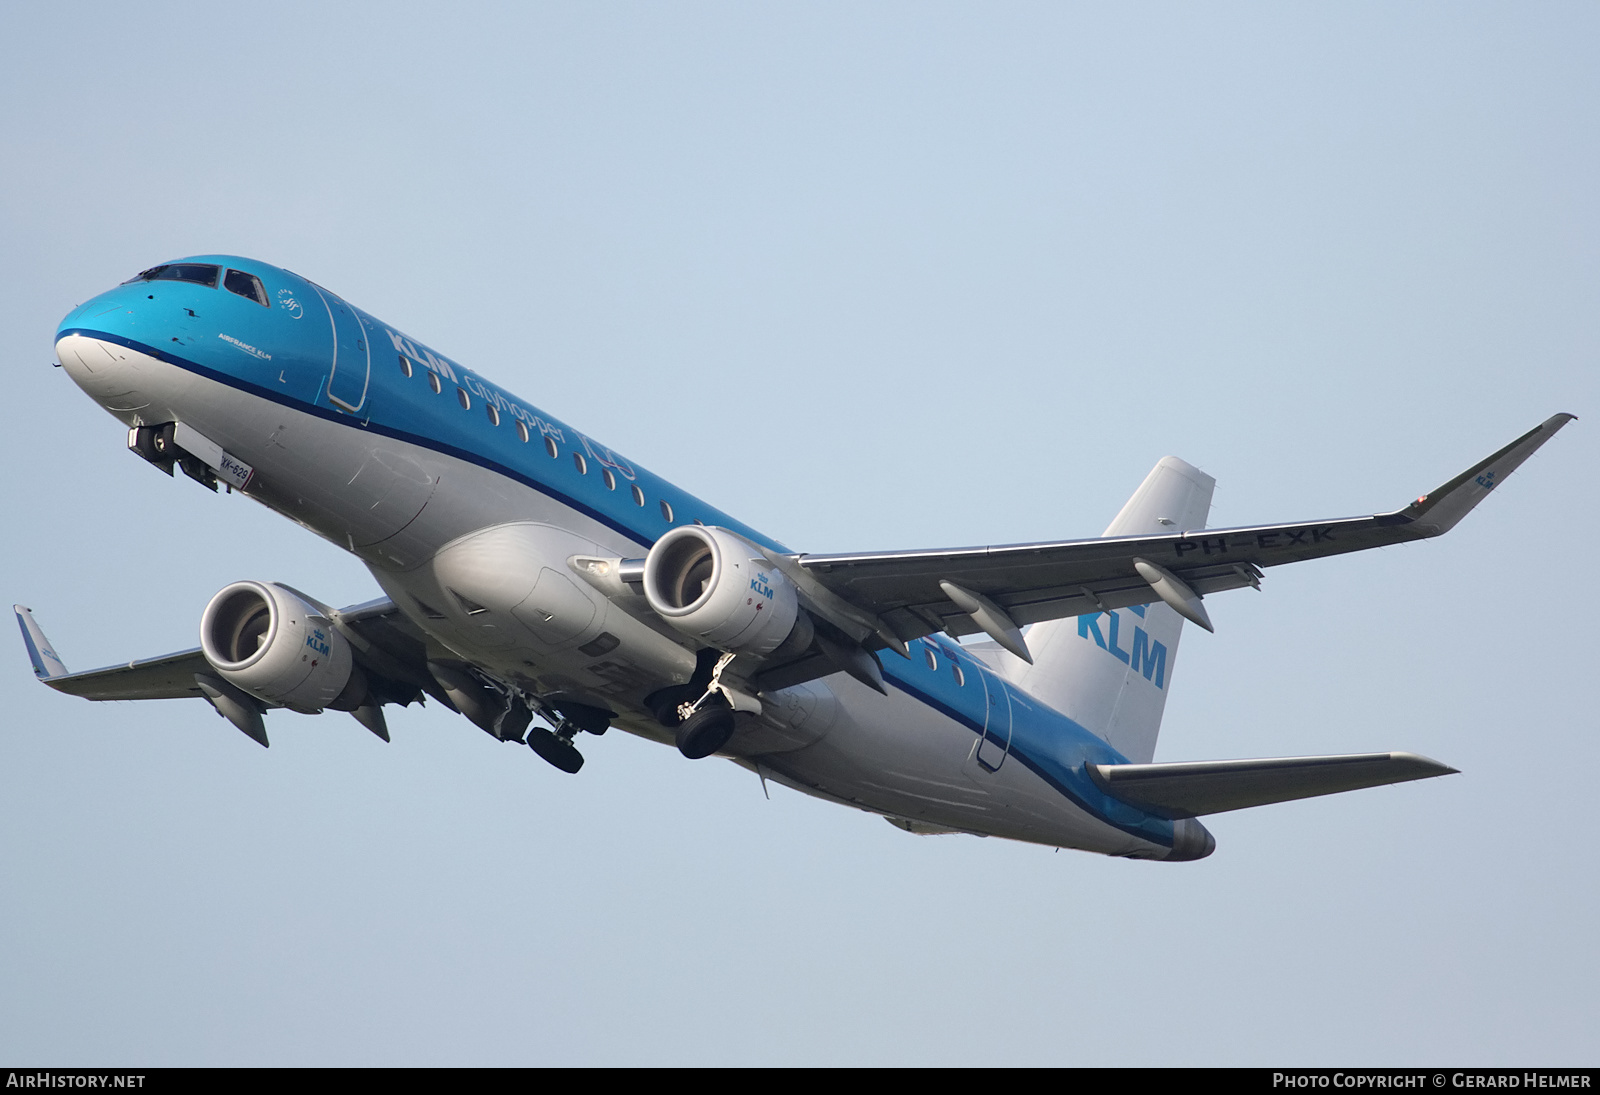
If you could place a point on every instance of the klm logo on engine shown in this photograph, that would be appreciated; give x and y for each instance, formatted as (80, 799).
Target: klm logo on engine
(1144, 655)
(760, 586)
(318, 641)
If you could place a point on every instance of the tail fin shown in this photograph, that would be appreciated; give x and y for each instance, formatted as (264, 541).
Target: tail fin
(1110, 671)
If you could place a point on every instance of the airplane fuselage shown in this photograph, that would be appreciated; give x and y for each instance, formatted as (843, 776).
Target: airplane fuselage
(468, 506)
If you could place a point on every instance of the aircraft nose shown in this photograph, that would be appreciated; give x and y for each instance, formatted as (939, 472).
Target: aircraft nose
(1190, 840)
(108, 373)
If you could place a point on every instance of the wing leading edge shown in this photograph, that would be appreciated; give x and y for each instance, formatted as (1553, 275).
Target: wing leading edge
(904, 595)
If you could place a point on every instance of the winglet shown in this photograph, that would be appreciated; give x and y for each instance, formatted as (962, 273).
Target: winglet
(45, 663)
(1444, 507)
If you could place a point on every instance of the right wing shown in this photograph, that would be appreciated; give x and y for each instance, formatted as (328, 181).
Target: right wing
(903, 595)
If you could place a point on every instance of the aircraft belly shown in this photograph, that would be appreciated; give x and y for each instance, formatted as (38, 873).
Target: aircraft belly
(503, 597)
(791, 718)
(898, 756)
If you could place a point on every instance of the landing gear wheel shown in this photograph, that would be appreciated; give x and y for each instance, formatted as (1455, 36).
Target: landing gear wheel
(559, 752)
(155, 444)
(704, 732)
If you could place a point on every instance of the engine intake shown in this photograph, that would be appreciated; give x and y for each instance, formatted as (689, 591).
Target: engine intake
(268, 641)
(718, 587)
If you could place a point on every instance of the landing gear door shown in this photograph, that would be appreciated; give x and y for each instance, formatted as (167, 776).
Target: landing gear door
(996, 740)
(352, 355)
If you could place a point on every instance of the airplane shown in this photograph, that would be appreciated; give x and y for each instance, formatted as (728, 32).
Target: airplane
(532, 573)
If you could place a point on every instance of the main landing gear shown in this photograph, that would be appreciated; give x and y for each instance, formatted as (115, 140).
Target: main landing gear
(507, 712)
(555, 746)
(702, 711)
(705, 731)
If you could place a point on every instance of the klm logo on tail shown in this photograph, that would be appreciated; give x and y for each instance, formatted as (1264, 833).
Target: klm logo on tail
(1145, 656)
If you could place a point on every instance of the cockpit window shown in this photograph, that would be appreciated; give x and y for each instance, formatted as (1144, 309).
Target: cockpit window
(198, 272)
(247, 286)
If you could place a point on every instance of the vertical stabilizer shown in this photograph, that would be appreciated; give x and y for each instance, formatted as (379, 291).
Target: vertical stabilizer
(1110, 671)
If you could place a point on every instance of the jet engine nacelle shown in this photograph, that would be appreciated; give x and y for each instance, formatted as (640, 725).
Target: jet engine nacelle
(268, 641)
(720, 589)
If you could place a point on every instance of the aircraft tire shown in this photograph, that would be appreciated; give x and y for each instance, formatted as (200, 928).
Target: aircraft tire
(704, 732)
(554, 751)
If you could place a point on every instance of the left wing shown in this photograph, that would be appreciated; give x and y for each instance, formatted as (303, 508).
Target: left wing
(171, 676)
(904, 595)
(386, 645)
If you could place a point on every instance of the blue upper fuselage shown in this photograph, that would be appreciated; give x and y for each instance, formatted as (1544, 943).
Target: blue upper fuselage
(295, 343)
(266, 331)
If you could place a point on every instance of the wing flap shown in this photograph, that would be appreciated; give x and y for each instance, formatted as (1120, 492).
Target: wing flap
(1196, 788)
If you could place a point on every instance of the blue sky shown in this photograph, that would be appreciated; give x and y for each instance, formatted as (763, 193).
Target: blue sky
(867, 276)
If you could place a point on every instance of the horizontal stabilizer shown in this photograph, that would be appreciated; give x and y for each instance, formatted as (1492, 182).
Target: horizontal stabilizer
(1195, 788)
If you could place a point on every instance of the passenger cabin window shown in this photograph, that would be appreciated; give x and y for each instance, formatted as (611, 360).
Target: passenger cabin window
(638, 495)
(494, 414)
(550, 447)
(433, 382)
(247, 286)
(666, 510)
(961, 678)
(522, 431)
(581, 464)
(405, 365)
(927, 652)
(199, 273)
(611, 480)
(464, 399)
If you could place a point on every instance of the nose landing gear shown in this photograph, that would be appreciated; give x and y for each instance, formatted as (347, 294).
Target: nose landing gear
(155, 444)
(158, 445)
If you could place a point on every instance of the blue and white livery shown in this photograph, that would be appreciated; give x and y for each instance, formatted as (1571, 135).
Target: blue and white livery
(533, 573)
